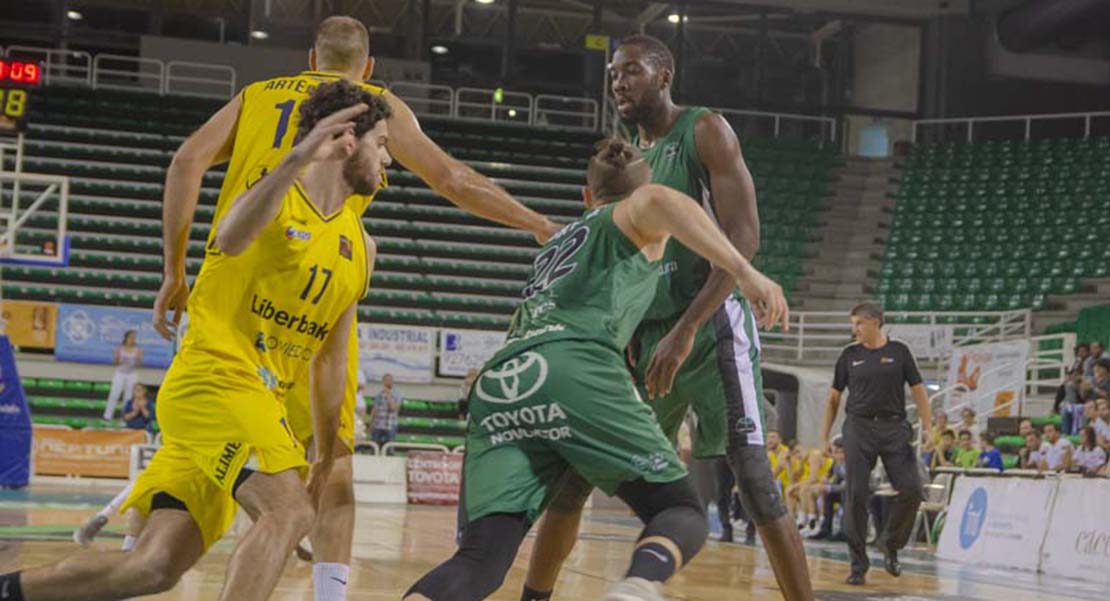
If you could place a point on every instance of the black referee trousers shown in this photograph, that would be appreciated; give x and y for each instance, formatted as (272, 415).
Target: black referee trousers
(865, 441)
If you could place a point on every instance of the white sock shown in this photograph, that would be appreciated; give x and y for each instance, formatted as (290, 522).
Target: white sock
(128, 543)
(330, 581)
(113, 506)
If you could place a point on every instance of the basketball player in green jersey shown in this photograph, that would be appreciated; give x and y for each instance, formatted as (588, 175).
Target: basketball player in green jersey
(697, 347)
(557, 396)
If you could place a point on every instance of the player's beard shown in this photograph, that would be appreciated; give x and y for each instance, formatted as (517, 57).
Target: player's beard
(359, 175)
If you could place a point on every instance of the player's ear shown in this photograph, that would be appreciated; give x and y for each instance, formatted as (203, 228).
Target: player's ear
(368, 71)
(665, 78)
(311, 59)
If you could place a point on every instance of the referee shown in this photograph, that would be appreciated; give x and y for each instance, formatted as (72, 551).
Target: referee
(876, 370)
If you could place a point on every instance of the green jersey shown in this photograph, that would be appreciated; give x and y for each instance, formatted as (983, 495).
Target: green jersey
(675, 164)
(589, 282)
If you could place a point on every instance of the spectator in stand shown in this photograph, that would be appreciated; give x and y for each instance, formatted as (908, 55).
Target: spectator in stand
(989, 457)
(1025, 426)
(464, 392)
(1031, 454)
(940, 424)
(1057, 457)
(1070, 405)
(1089, 362)
(966, 455)
(128, 358)
(383, 417)
(138, 413)
(1098, 386)
(968, 422)
(945, 455)
(1101, 424)
(1089, 457)
(1082, 351)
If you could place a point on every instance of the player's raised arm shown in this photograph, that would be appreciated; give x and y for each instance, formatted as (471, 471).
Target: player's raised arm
(656, 211)
(332, 138)
(210, 145)
(458, 183)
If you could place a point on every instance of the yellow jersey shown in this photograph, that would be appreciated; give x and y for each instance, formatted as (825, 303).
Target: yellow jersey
(782, 452)
(269, 116)
(263, 314)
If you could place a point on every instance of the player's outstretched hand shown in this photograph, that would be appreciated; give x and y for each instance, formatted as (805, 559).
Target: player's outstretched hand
(767, 297)
(172, 296)
(333, 137)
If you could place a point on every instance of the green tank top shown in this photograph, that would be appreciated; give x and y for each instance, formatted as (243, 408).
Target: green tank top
(589, 282)
(675, 164)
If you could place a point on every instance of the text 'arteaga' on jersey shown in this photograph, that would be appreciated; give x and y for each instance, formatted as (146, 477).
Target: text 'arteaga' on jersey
(265, 309)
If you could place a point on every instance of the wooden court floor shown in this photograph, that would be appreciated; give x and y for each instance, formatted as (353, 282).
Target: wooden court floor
(395, 544)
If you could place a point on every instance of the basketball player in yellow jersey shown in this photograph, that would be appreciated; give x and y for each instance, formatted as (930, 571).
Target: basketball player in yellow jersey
(341, 49)
(272, 309)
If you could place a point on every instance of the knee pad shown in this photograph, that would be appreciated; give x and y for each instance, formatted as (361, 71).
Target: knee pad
(759, 491)
(687, 527)
(486, 552)
(571, 493)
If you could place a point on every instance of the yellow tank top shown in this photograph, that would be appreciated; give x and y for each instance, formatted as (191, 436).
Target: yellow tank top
(823, 472)
(268, 121)
(263, 314)
(783, 477)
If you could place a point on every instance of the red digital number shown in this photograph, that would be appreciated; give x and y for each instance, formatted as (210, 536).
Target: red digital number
(3, 70)
(27, 73)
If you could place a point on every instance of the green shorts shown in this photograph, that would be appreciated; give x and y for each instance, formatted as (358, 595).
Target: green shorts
(720, 380)
(559, 405)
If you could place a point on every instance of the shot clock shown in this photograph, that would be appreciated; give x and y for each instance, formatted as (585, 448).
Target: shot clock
(16, 79)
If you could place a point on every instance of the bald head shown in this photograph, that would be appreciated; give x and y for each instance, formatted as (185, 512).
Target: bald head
(342, 44)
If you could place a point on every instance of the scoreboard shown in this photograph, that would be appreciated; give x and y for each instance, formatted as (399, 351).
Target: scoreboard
(16, 79)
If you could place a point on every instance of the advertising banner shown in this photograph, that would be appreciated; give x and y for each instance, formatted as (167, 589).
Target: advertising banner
(997, 522)
(91, 333)
(15, 422)
(30, 323)
(994, 375)
(1078, 543)
(927, 342)
(434, 478)
(461, 350)
(406, 352)
(92, 453)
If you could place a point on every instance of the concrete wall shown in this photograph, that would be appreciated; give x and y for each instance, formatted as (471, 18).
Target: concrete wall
(886, 67)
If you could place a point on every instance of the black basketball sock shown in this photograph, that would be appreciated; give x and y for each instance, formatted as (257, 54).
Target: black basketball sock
(652, 561)
(10, 588)
(531, 594)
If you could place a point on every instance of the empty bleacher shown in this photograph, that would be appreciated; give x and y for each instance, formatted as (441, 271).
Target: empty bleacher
(997, 225)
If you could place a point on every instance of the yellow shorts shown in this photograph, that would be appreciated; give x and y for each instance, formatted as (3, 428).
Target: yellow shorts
(212, 423)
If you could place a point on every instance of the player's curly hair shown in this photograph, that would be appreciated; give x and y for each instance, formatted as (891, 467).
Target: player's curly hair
(615, 170)
(332, 97)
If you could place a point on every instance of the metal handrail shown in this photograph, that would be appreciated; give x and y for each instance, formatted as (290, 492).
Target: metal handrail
(409, 92)
(227, 84)
(1026, 119)
(415, 446)
(154, 76)
(55, 69)
(779, 118)
(588, 103)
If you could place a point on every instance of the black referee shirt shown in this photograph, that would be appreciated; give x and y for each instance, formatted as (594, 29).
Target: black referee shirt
(876, 378)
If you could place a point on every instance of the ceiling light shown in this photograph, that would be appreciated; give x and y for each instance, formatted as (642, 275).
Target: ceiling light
(485, 1)
(74, 15)
(512, 112)
(674, 18)
(258, 34)
(439, 49)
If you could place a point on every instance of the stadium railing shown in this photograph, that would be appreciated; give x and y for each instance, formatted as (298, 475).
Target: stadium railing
(964, 128)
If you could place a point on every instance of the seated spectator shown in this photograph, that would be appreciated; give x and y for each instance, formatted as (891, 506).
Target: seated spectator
(1082, 351)
(1025, 426)
(1071, 404)
(1031, 454)
(968, 422)
(1057, 457)
(138, 413)
(945, 455)
(1089, 457)
(966, 455)
(1098, 386)
(989, 456)
(1101, 423)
